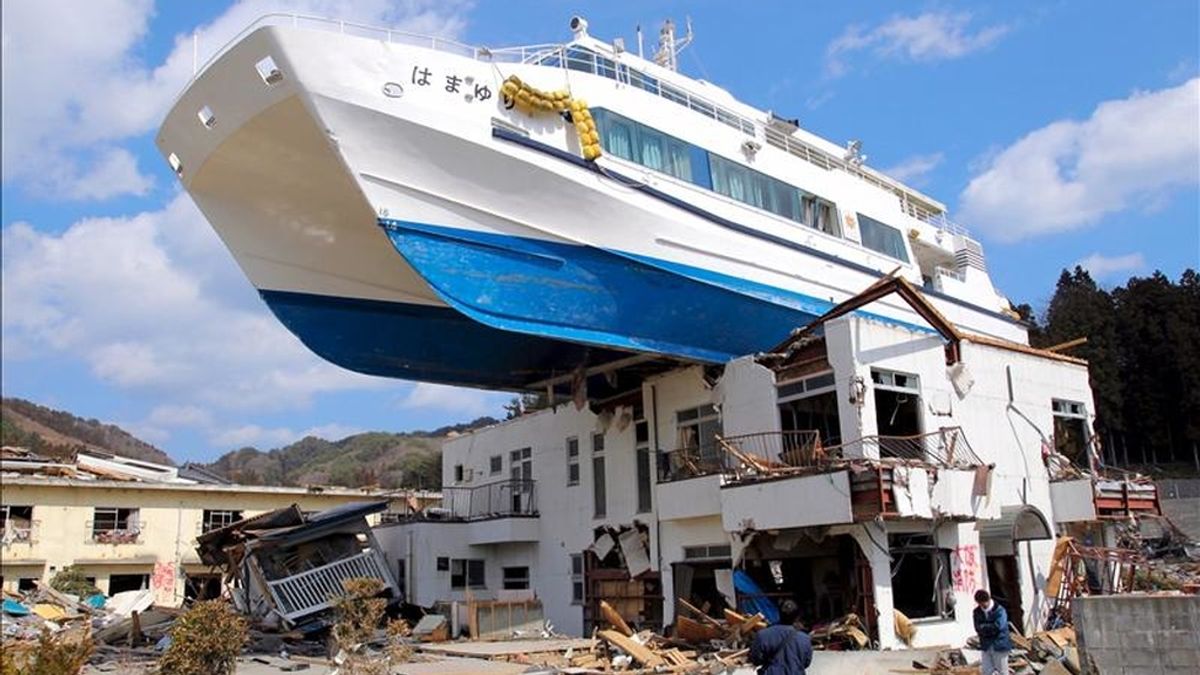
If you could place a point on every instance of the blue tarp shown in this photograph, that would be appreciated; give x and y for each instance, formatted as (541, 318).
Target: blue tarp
(14, 608)
(752, 600)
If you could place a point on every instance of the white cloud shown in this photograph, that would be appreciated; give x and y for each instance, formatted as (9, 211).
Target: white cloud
(932, 36)
(1102, 266)
(1069, 174)
(115, 293)
(273, 437)
(175, 415)
(75, 86)
(113, 173)
(467, 402)
(915, 170)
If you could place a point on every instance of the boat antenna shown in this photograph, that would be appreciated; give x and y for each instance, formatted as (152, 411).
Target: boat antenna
(669, 47)
(639, 39)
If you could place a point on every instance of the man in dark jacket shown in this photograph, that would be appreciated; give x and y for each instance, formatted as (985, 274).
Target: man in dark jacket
(781, 649)
(991, 624)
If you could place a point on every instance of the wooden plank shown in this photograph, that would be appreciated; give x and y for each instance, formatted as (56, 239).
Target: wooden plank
(694, 631)
(639, 652)
(614, 618)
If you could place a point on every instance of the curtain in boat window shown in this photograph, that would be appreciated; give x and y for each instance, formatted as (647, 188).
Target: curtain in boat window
(882, 238)
(729, 179)
(679, 160)
(651, 143)
(617, 134)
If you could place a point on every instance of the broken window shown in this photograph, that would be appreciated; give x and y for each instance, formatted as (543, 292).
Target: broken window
(1070, 432)
(921, 586)
(697, 430)
(516, 578)
(897, 410)
(599, 484)
(644, 491)
(26, 584)
(112, 525)
(201, 586)
(466, 574)
(495, 465)
(520, 464)
(572, 461)
(119, 583)
(216, 519)
(576, 579)
(811, 404)
(16, 523)
(459, 473)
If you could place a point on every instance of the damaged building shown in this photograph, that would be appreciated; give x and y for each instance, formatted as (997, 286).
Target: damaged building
(286, 567)
(861, 467)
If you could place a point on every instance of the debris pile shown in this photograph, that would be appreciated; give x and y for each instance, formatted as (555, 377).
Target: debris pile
(1051, 652)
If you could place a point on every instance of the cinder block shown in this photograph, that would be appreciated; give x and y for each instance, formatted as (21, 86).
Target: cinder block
(1134, 638)
(1141, 657)
(1182, 657)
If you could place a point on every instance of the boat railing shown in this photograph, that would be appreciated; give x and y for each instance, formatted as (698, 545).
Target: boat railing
(537, 53)
(518, 54)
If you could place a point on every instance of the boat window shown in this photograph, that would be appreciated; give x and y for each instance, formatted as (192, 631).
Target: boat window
(882, 238)
(655, 150)
(650, 148)
(581, 59)
(673, 94)
(606, 67)
(643, 81)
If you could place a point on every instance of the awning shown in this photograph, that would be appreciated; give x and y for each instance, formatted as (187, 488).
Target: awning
(1017, 523)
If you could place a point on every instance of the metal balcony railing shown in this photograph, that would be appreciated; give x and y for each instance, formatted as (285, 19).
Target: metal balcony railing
(946, 447)
(316, 589)
(493, 500)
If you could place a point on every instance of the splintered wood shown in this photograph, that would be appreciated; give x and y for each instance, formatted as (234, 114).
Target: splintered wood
(699, 643)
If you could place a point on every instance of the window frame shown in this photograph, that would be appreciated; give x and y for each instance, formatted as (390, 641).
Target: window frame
(208, 518)
(465, 569)
(516, 582)
(864, 220)
(942, 576)
(572, 449)
(495, 465)
(577, 571)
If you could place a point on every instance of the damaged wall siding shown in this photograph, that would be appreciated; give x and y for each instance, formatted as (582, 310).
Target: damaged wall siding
(567, 522)
(746, 395)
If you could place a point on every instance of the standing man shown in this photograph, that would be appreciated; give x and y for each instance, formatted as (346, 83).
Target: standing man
(991, 624)
(781, 649)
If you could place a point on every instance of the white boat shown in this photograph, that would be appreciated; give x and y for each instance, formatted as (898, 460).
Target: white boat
(403, 218)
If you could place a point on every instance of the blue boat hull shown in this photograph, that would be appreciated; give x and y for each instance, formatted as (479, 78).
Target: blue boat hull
(429, 344)
(522, 310)
(596, 296)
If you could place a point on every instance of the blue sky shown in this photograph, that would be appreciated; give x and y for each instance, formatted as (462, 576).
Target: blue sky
(1059, 133)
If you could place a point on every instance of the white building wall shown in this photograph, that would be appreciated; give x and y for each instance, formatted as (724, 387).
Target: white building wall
(1007, 432)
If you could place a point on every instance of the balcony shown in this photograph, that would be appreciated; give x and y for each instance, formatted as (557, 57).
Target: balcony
(315, 590)
(933, 475)
(496, 513)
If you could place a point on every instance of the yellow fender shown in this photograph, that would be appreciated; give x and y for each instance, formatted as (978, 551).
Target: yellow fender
(531, 100)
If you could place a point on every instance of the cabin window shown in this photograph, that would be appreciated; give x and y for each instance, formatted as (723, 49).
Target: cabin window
(643, 81)
(572, 461)
(1070, 431)
(882, 238)
(581, 60)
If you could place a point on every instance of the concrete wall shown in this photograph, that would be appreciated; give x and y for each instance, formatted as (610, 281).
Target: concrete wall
(169, 517)
(1138, 634)
(1181, 503)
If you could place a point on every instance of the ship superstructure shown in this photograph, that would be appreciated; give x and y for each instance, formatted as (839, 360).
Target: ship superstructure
(403, 217)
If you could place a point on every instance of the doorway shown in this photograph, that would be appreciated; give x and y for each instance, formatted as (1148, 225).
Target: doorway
(1005, 581)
